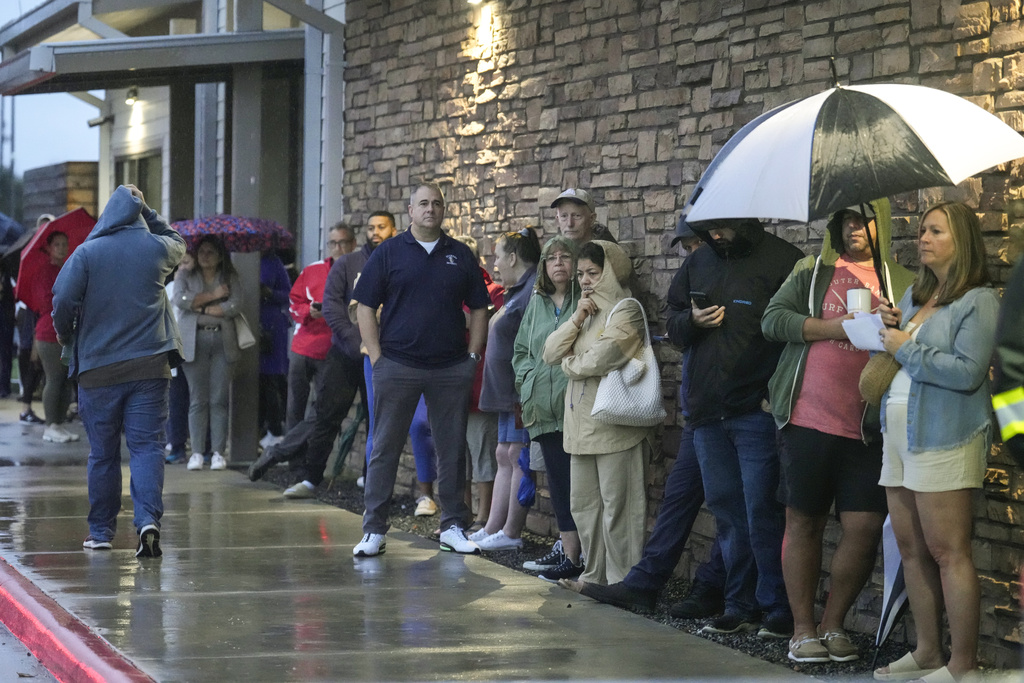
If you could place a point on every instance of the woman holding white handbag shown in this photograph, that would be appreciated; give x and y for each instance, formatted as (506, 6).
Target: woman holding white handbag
(608, 469)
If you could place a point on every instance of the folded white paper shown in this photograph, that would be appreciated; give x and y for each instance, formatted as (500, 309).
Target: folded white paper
(863, 331)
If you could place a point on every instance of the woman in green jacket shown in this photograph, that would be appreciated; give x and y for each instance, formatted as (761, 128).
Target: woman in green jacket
(541, 390)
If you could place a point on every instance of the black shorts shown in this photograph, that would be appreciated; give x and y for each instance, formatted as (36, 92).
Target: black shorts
(819, 468)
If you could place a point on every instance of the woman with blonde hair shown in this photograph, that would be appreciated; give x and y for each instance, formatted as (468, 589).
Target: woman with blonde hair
(943, 334)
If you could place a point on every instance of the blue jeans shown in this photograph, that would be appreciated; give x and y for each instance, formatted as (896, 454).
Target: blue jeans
(684, 495)
(139, 409)
(739, 461)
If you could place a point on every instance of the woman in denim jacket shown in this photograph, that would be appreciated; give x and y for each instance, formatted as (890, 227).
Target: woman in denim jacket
(936, 422)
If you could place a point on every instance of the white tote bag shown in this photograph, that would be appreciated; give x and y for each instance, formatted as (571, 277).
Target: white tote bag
(631, 395)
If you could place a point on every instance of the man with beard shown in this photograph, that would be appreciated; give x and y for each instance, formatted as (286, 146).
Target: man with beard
(715, 302)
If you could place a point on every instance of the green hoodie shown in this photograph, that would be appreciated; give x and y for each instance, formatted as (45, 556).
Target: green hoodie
(784, 317)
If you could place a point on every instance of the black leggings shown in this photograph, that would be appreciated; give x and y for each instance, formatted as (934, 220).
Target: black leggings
(556, 463)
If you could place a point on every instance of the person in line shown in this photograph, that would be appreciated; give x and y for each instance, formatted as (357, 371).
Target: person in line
(716, 301)
(943, 334)
(576, 218)
(57, 390)
(422, 278)
(30, 370)
(830, 440)
(312, 337)
(681, 503)
(177, 400)
(275, 287)
(208, 299)
(515, 260)
(382, 226)
(608, 466)
(541, 388)
(307, 446)
(481, 427)
(122, 356)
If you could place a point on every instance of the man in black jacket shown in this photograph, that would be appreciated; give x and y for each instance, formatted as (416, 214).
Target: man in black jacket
(715, 305)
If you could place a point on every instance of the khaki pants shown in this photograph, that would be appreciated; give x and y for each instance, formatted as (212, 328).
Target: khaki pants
(609, 504)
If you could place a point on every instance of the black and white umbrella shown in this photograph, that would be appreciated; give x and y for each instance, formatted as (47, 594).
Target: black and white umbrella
(849, 145)
(894, 590)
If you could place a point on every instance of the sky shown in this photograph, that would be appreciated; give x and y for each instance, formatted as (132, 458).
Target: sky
(48, 129)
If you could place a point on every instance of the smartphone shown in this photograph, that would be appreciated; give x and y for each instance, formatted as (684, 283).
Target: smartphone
(701, 299)
(316, 305)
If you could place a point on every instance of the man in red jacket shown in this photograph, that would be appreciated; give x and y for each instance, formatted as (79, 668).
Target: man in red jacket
(312, 336)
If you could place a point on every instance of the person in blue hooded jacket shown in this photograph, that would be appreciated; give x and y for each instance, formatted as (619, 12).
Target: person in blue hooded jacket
(114, 317)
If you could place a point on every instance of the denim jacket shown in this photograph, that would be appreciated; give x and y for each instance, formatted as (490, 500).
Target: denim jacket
(948, 366)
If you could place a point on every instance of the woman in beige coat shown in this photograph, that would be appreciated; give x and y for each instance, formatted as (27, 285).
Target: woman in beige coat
(608, 497)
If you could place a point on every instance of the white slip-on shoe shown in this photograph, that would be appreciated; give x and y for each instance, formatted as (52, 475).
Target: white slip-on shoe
(499, 541)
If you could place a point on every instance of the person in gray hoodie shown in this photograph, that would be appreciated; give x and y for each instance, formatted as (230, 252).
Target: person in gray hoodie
(114, 319)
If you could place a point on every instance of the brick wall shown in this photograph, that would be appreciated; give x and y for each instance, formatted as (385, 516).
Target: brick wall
(507, 102)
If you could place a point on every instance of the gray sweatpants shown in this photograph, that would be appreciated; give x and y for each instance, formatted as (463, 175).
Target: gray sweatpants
(396, 391)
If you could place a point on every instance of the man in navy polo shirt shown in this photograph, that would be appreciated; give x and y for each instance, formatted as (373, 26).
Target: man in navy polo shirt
(422, 278)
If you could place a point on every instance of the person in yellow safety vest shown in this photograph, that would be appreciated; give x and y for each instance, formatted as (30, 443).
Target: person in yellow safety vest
(1008, 387)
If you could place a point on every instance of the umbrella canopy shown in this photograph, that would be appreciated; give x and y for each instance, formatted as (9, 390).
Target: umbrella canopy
(848, 145)
(238, 233)
(10, 230)
(894, 592)
(75, 224)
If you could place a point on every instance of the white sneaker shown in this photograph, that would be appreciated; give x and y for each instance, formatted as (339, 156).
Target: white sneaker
(217, 462)
(478, 535)
(269, 440)
(68, 433)
(54, 434)
(499, 541)
(372, 544)
(360, 482)
(425, 507)
(195, 462)
(298, 491)
(453, 540)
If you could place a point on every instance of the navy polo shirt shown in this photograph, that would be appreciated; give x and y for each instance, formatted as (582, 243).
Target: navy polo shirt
(422, 323)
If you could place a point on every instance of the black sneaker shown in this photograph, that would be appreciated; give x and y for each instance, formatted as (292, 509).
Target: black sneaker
(702, 602)
(731, 623)
(777, 625)
(566, 570)
(28, 417)
(621, 595)
(149, 542)
(553, 559)
(262, 464)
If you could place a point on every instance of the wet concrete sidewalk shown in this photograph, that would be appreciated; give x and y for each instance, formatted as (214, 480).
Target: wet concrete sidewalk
(252, 587)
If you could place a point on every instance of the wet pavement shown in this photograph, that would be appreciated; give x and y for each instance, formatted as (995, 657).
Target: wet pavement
(253, 587)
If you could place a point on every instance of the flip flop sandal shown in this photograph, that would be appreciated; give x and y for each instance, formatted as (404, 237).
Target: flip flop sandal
(903, 669)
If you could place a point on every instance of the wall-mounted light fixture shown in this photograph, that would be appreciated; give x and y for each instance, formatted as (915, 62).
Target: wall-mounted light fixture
(475, 2)
(132, 96)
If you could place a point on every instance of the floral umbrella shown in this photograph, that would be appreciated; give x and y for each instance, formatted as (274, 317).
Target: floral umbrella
(238, 233)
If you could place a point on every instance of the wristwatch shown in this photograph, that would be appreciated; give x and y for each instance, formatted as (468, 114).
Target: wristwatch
(475, 357)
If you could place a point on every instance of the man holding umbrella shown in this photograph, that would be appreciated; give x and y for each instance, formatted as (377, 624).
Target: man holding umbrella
(830, 440)
(715, 305)
(114, 314)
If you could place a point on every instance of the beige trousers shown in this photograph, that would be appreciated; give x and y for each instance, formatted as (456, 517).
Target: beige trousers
(609, 504)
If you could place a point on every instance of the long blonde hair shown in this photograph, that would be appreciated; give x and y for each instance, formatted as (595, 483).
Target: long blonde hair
(968, 269)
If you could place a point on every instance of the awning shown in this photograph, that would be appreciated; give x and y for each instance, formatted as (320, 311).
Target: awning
(120, 62)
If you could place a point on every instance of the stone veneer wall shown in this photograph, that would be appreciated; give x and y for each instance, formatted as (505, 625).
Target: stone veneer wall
(507, 102)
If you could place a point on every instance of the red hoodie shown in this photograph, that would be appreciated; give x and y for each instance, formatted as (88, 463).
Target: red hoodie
(312, 335)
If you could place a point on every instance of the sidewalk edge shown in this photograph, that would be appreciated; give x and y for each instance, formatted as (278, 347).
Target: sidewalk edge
(59, 640)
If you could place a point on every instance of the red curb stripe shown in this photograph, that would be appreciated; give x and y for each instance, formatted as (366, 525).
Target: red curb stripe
(59, 640)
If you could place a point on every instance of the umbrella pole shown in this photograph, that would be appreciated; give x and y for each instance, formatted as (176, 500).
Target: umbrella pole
(876, 255)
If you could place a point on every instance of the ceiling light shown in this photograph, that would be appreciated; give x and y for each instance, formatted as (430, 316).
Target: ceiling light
(132, 96)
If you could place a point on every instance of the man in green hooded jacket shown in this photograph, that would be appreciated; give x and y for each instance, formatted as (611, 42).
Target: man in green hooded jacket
(830, 443)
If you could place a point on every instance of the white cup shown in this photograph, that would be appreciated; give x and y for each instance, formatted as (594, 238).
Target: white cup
(858, 300)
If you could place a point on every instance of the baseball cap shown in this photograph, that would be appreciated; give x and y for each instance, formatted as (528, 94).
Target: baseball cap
(578, 196)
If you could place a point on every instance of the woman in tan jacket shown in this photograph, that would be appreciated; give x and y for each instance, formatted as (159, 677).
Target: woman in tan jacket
(608, 497)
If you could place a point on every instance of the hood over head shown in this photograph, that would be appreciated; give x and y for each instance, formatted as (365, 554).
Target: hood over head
(832, 245)
(749, 231)
(124, 210)
(683, 231)
(612, 287)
